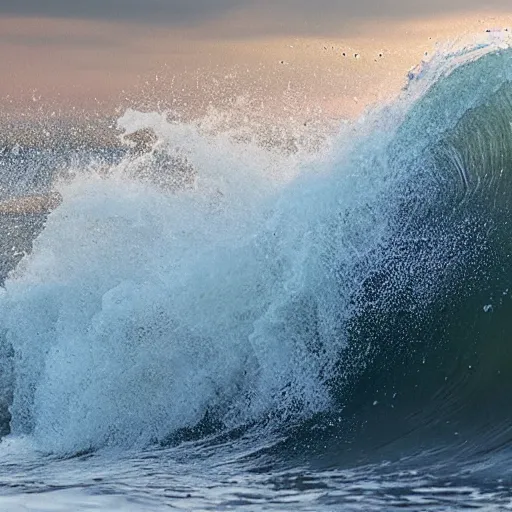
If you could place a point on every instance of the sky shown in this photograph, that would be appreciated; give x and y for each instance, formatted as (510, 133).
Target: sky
(86, 52)
(302, 15)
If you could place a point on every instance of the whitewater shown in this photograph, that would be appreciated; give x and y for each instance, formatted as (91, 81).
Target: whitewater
(252, 319)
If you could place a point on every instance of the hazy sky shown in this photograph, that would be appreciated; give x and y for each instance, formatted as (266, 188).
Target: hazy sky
(176, 12)
(92, 51)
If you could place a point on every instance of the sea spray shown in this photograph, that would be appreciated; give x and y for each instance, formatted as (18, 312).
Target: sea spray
(143, 309)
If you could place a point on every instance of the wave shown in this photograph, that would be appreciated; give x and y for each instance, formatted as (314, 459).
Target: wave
(362, 291)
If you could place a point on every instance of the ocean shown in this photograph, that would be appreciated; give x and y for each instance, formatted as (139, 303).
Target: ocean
(250, 322)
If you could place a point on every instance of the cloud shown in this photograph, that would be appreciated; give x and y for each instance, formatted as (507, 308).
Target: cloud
(165, 11)
(302, 15)
(57, 40)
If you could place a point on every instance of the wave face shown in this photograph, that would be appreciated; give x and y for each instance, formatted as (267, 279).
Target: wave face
(359, 295)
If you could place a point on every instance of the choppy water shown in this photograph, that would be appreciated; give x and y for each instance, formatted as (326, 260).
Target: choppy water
(223, 324)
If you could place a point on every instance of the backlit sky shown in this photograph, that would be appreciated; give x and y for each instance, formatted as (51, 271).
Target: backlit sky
(292, 14)
(86, 52)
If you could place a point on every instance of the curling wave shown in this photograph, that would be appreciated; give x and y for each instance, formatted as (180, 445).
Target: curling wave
(364, 291)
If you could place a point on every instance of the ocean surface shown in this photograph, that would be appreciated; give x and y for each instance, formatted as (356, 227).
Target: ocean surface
(232, 322)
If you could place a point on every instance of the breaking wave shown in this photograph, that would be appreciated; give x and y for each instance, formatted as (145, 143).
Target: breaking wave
(360, 291)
